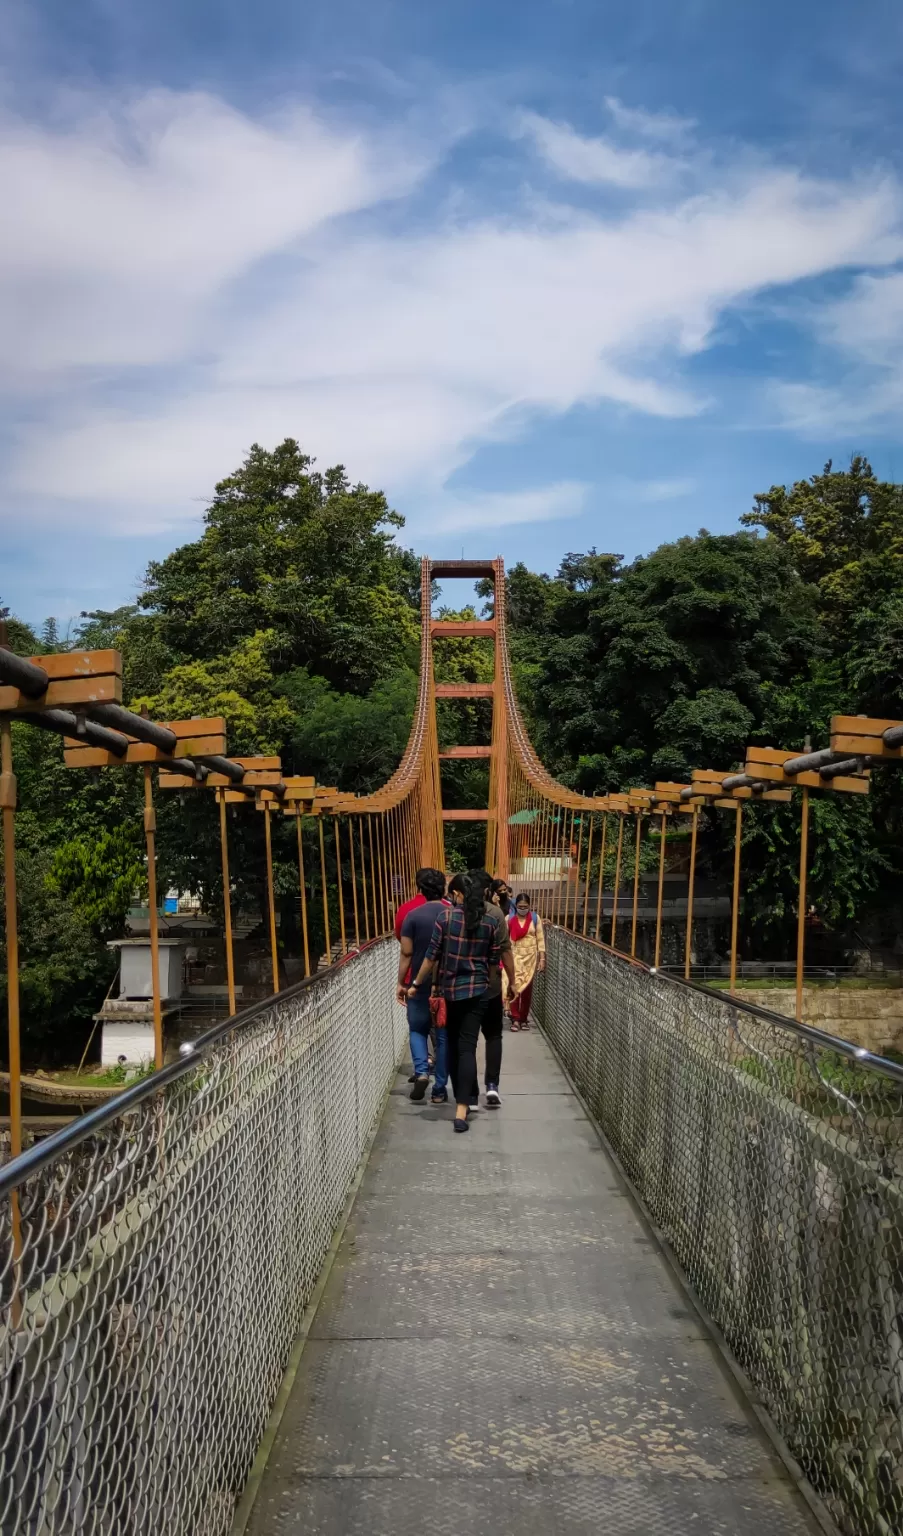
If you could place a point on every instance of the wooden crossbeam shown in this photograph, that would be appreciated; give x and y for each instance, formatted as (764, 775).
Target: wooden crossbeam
(767, 763)
(862, 735)
(258, 770)
(452, 754)
(461, 629)
(465, 815)
(464, 690)
(74, 678)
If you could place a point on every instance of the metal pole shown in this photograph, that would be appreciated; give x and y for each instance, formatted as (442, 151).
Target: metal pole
(801, 914)
(364, 897)
(661, 888)
(614, 904)
(589, 861)
(357, 930)
(227, 898)
(150, 835)
(303, 884)
(338, 876)
(325, 892)
(8, 802)
(735, 905)
(373, 877)
(601, 876)
(271, 897)
(636, 881)
(689, 943)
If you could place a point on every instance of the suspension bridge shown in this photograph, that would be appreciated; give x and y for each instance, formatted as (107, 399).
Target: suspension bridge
(260, 1291)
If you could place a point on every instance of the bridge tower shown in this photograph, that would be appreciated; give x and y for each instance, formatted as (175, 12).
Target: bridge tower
(495, 814)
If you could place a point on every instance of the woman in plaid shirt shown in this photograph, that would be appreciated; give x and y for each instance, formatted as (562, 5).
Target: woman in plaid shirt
(465, 941)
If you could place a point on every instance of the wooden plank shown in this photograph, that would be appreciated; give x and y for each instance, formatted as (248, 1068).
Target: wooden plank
(711, 775)
(204, 725)
(460, 629)
(451, 754)
(78, 756)
(469, 570)
(69, 664)
(65, 694)
(778, 755)
(861, 725)
(465, 815)
(739, 794)
(464, 690)
(775, 773)
(865, 746)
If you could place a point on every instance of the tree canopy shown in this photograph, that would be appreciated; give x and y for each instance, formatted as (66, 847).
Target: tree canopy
(295, 615)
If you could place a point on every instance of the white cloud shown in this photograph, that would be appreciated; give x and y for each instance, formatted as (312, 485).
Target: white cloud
(185, 281)
(665, 127)
(126, 226)
(594, 160)
(663, 490)
(865, 331)
(488, 510)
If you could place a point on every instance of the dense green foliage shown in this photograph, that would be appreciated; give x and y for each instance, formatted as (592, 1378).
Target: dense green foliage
(640, 672)
(294, 615)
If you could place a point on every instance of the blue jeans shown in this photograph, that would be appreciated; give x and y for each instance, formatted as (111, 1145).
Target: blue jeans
(419, 1022)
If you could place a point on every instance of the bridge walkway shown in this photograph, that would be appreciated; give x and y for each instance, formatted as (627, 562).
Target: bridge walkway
(500, 1348)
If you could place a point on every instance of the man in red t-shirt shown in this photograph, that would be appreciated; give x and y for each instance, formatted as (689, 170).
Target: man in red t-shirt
(430, 887)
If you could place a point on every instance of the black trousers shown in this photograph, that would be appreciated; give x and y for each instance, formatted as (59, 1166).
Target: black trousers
(465, 1016)
(493, 1019)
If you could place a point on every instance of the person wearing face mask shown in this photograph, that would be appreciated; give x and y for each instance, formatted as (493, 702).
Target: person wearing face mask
(529, 949)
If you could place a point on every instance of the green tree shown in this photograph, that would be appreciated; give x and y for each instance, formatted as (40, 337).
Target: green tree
(305, 557)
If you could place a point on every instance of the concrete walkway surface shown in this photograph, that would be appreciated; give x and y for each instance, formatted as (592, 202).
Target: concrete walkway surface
(500, 1348)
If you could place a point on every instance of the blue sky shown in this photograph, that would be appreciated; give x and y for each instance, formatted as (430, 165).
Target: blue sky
(552, 275)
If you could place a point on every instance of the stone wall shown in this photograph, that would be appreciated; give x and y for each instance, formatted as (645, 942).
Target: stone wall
(869, 1016)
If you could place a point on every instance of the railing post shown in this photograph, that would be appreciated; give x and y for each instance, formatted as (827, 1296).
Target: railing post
(150, 837)
(599, 892)
(614, 904)
(8, 804)
(735, 904)
(689, 940)
(636, 881)
(801, 914)
(325, 890)
(302, 881)
(227, 898)
(661, 888)
(271, 898)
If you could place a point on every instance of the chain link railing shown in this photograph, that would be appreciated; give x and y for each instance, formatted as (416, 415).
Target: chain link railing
(771, 1158)
(157, 1258)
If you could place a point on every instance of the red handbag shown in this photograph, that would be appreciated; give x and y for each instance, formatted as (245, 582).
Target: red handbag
(438, 1005)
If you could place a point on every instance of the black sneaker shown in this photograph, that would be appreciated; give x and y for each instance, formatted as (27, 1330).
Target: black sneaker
(474, 1105)
(460, 1125)
(440, 1098)
(418, 1091)
(493, 1097)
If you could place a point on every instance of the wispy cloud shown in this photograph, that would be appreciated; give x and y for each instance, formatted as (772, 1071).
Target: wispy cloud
(664, 127)
(185, 280)
(488, 510)
(864, 332)
(596, 161)
(663, 490)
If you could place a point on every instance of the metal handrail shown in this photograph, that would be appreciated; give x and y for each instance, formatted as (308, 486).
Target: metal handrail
(14, 1173)
(857, 1053)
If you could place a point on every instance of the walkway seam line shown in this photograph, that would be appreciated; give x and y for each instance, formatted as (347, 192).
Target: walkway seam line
(729, 1364)
(245, 1507)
